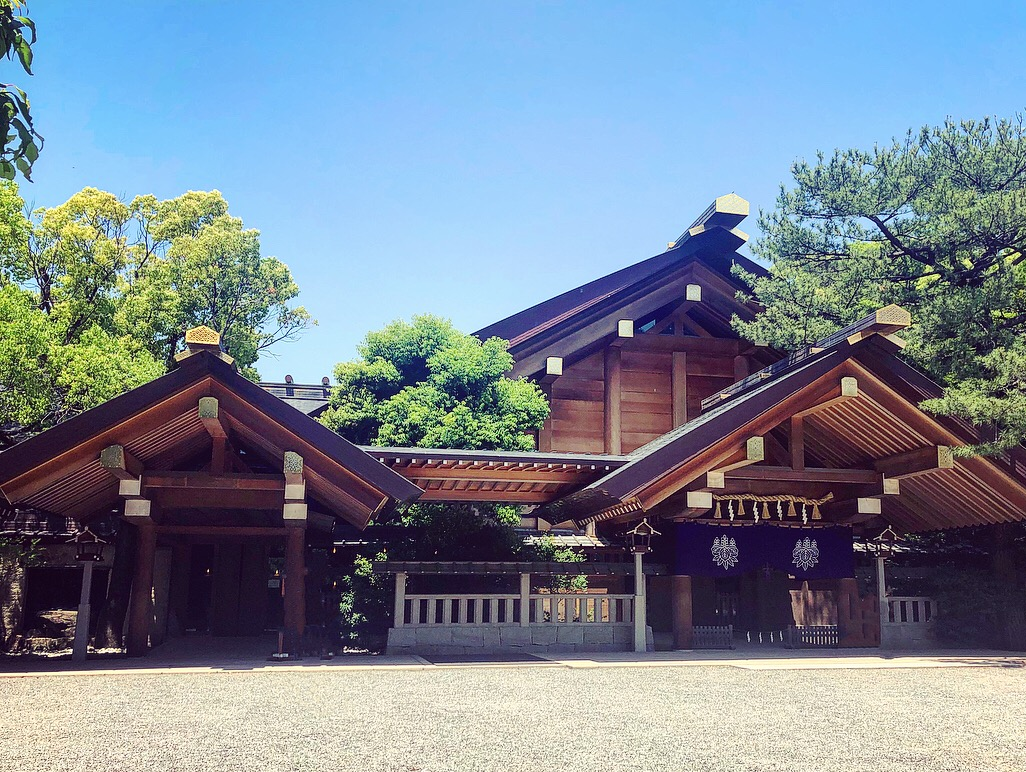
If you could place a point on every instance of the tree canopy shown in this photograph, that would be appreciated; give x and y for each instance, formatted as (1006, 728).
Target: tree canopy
(425, 384)
(935, 222)
(96, 295)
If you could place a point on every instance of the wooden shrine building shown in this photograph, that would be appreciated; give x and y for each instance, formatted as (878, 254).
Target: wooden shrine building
(757, 468)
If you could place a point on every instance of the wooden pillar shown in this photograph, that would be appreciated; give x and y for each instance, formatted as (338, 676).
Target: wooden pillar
(295, 585)
(683, 624)
(849, 627)
(399, 613)
(742, 368)
(78, 652)
(612, 389)
(679, 387)
(140, 611)
(797, 443)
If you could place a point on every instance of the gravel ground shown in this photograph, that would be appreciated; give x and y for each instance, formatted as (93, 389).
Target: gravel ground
(519, 718)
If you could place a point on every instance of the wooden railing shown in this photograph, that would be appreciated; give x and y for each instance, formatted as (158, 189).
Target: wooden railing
(567, 609)
(505, 609)
(904, 610)
(501, 609)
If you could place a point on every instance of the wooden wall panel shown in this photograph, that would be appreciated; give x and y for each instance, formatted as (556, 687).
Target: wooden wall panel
(577, 409)
(646, 397)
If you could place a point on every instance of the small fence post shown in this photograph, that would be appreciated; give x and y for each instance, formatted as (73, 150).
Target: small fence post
(525, 600)
(399, 617)
(640, 644)
(881, 591)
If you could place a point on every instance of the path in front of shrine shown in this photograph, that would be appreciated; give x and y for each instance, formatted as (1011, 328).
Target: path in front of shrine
(575, 714)
(211, 654)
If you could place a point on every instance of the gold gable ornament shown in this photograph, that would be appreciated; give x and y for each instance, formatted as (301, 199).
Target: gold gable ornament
(203, 335)
(203, 338)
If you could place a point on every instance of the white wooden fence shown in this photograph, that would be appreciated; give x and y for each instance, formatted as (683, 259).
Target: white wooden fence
(506, 609)
(906, 609)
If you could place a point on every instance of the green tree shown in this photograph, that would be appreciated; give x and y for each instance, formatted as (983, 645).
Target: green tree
(44, 380)
(425, 384)
(935, 222)
(21, 142)
(97, 295)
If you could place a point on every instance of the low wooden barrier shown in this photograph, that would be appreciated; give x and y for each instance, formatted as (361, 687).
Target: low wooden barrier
(505, 609)
(811, 636)
(713, 637)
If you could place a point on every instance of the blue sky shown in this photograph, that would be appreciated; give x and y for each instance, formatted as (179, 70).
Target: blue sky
(471, 159)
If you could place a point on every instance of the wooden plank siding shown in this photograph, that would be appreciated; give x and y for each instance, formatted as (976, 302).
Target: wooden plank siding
(579, 398)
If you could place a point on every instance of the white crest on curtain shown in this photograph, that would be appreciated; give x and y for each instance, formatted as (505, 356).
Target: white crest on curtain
(806, 553)
(724, 552)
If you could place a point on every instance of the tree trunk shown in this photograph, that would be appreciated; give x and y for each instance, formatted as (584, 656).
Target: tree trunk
(110, 622)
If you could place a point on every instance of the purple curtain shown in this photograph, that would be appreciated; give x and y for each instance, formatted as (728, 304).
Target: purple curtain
(805, 553)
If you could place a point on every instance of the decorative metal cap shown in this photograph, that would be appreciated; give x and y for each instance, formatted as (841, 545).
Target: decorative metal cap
(202, 335)
(203, 338)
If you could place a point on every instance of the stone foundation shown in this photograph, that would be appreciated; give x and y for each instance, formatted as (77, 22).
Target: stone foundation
(509, 639)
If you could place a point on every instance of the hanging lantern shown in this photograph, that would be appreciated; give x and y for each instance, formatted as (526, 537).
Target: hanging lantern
(640, 537)
(884, 544)
(88, 546)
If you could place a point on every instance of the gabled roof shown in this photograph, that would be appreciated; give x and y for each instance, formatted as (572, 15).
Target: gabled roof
(59, 469)
(883, 421)
(712, 241)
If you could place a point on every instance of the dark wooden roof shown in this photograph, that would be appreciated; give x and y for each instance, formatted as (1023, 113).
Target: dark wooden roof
(529, 477)
(59, 471)
(883, 421)
(711, 241)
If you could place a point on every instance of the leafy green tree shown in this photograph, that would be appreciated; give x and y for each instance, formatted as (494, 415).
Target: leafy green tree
(45, 380)
(21, 142)
(425, 384)
(96, 296)
(935, 222)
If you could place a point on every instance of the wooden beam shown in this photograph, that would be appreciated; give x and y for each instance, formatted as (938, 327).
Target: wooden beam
(526, 476)
(120, 463)
(710, 481)
(295, 508)
(511, 497)
(209, 414)
(138, 509)
(553, 369)
(679, 387)
(754, 452)
(811, 474)
(203, 481)
(215, 498)
(916, 462)
(702, 500)
(797, 443)
(218, 531)
(849, 389)
(611, 400)
(710, 346)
